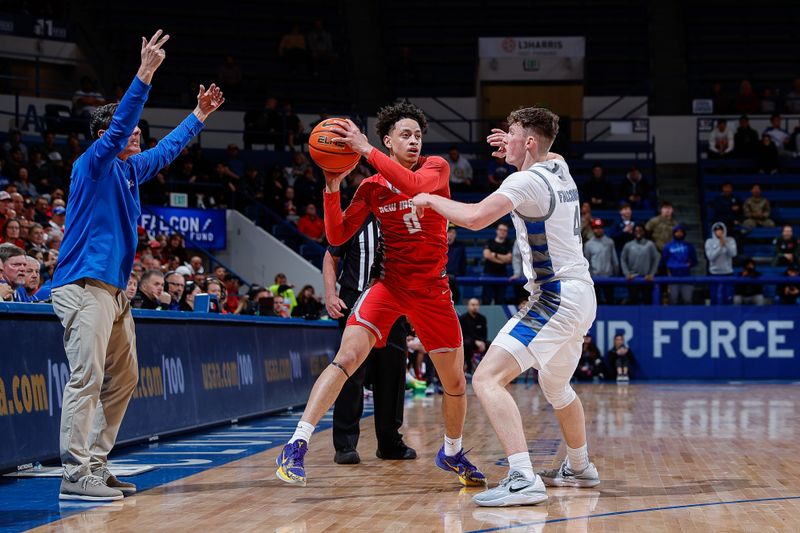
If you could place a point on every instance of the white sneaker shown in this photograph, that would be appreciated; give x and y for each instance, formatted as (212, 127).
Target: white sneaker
(565, 477)
(513, 490)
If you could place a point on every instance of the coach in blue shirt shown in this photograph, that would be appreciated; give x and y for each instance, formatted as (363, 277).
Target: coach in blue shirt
(94, 264)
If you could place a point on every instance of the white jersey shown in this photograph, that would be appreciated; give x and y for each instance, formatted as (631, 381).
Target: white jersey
(547, 218)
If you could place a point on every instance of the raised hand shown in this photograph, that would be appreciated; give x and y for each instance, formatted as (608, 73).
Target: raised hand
(152, 56)
(497, 139)
(350, 135)
(334, 180)
(208, 101)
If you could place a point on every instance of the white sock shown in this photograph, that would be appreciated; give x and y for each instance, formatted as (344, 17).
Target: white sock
(451, 446)
(521, 462)
(302, 432)
(577, 459)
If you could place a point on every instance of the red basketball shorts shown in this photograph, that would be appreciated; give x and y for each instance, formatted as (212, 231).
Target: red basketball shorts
(429, 309)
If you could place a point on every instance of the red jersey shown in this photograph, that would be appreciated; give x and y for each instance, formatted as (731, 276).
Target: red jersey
(415, 248)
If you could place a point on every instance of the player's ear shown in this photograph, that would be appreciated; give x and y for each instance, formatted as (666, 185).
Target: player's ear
(387, 142)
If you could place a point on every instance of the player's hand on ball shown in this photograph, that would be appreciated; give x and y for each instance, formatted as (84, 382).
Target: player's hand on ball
(334, 179)
(335, 306)
(497, 139)
(350, 135)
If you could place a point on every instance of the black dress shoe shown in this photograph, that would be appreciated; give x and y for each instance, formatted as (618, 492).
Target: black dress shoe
(347, 457)
(400, 452)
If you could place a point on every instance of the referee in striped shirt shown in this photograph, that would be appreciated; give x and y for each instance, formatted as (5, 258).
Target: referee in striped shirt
(385, 368)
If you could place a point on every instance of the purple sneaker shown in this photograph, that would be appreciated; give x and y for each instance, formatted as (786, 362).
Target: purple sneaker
(468, 474)
(290, 463)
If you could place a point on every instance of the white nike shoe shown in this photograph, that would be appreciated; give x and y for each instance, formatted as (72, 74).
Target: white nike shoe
(513, 490)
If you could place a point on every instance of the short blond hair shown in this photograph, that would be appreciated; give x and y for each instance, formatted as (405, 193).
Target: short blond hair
(543, 123)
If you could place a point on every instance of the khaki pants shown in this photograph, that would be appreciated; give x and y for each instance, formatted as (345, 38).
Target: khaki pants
(100, 342)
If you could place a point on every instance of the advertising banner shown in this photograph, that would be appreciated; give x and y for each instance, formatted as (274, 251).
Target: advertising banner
(206, 227)
(531, 58)
(191, 373)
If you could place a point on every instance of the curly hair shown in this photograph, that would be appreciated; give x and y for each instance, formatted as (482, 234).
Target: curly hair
(101, 119)
(391, 114)
(542, 121)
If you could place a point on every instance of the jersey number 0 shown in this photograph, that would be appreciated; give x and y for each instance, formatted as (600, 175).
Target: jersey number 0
(412, 222)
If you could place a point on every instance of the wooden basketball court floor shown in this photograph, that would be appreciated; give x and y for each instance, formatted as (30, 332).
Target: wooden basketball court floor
(672, 457)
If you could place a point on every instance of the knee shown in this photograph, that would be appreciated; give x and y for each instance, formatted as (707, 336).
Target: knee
(559, 395)
(348, 358)
(482, 381)
(456, 386)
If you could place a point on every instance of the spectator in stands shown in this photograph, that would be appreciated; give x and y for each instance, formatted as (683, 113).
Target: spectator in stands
(281, 307)
(598, 190)
(308, 304)
(603, 261)
(18, 203)
(757, 210)
(220, 272)
(308, 189)
(289, 207)
(285, 290)
(175, 247)
(727, 208)
(49, 146)
(789, 290)
(292, 49)
(251, 304)
(132, 287)
(591, 366)
(13, 164)
(620, 356)
(622, 230)
(721, 141)
(474, 332)
(639, 258)
(720, 251)
(233, 160)
(679, 257)
(293, 128)
(311, 225)
(780, 137)
(151, 293)
(749, 294)
(38, 171)
(498, 170)
(36, 239)
(769, 101)
(264, 126)
(216, 287)
(747, 99)
(792, 100)
(5, 208)
(723, 102)
(58, 219)
(15, 142)
(24, 185)
(746, 139)
(456, 261)
(586, 221)
(787, 248)
(460, 170)
(32, 279)
(87, 99)
(660, 227)
(497, 257)
(634, 190)
(320, 45)
(11, 233)
(175, 285)
(54, 238)
(767, 156)
(298, 168)
(230, 75)
(187, 300)
(14, 263)
(41, 213)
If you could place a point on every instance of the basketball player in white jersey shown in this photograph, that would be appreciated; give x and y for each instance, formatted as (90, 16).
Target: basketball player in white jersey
(547, 332)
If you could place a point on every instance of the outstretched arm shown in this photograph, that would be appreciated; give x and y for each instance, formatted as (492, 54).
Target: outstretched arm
(125, 119)
(472, 216)
(148, 163)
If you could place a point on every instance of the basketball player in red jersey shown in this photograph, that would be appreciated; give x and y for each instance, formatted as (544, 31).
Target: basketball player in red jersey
(413, 281)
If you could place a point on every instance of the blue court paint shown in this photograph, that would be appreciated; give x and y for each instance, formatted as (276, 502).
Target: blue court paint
(26, 503)
(631, 511)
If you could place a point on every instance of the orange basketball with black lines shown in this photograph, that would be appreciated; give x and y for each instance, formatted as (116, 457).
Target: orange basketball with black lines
(327, 154)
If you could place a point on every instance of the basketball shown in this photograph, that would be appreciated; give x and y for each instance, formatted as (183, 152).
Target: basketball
(327, 154)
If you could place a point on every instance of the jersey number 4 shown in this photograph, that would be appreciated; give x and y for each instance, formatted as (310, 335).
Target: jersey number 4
(412, 222)
(577, 229)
